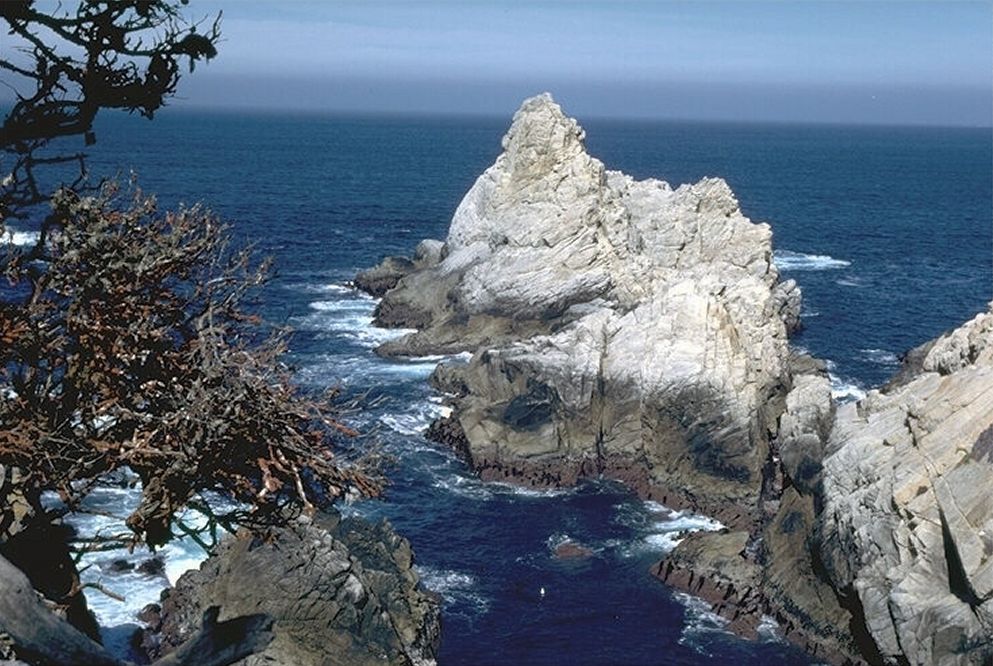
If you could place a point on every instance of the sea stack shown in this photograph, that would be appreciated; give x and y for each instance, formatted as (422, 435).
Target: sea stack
(619, 327)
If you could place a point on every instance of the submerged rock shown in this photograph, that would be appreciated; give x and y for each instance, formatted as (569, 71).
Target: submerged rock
(619, 327)
(340, 591)
(571, 550)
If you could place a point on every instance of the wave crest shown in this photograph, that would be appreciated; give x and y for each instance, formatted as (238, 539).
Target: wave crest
(787, 260)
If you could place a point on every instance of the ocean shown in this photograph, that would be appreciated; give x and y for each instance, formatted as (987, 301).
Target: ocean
(886, 229)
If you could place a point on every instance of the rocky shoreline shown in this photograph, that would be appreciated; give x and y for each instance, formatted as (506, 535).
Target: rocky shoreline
(629, 330)
(318, 590)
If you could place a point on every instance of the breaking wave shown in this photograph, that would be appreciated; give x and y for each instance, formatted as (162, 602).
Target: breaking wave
(19, 238)
(787, 260)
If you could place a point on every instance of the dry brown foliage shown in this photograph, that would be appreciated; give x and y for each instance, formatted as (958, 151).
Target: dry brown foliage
(131, 346)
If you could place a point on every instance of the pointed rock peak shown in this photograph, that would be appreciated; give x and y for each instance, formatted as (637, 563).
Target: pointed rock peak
(541, 136)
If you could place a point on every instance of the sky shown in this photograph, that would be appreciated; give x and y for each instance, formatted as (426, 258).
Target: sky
(896, 62)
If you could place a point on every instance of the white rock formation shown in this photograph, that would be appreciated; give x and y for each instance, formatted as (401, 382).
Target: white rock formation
(620, 326)
(628, 329)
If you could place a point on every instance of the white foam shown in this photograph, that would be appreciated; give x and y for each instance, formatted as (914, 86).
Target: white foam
(461, 357)
(351, 319)
(524, 491)
(111, 504)
(330, 288)
(473, 488)
(844, 391)
(330, 370)
(430, 358)
(660, 529)
(655, 507)
(456, 588)
(464, 486)
(686, 521)
(666, 534)
(769, 631)
(415, 421)
(880, 356)
(788, 260)
(556, 540)
(343, 289)
(20, 238)
(343, 305)
(664, 542)
(700, 620)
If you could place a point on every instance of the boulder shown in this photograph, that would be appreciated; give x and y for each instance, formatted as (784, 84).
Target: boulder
(378, 280)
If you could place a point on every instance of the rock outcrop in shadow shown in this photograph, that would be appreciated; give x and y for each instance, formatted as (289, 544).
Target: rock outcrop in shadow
(338, 591)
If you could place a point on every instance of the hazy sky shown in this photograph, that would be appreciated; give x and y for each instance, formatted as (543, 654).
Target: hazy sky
(883, 61)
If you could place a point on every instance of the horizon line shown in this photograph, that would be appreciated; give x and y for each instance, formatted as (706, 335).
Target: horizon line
(194, 107)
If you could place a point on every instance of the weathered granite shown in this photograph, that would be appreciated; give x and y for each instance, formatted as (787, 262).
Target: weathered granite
(340, 591)
(627, 329)
(773, 569)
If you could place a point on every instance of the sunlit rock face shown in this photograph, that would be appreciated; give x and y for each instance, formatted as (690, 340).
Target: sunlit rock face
(908, 518)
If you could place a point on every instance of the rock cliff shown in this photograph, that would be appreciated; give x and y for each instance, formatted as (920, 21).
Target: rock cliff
(907, 525)
(619, 327)
(880, 545)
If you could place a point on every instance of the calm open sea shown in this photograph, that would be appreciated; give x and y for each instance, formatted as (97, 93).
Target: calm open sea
(887, 230)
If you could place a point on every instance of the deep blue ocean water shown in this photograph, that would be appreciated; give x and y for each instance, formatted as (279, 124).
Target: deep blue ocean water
(887, 230)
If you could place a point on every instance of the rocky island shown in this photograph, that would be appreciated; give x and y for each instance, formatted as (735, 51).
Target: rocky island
(631, 330)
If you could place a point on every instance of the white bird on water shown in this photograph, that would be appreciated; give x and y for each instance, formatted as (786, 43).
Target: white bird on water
(541, 591)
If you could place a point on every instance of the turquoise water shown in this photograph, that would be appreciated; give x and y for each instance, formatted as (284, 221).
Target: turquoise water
(887, 230)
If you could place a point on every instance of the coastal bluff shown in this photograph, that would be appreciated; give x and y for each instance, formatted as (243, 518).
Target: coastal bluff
(632, 330)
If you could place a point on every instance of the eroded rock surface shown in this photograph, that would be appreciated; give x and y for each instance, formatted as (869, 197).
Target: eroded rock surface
(339, 592)
(637, 331)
